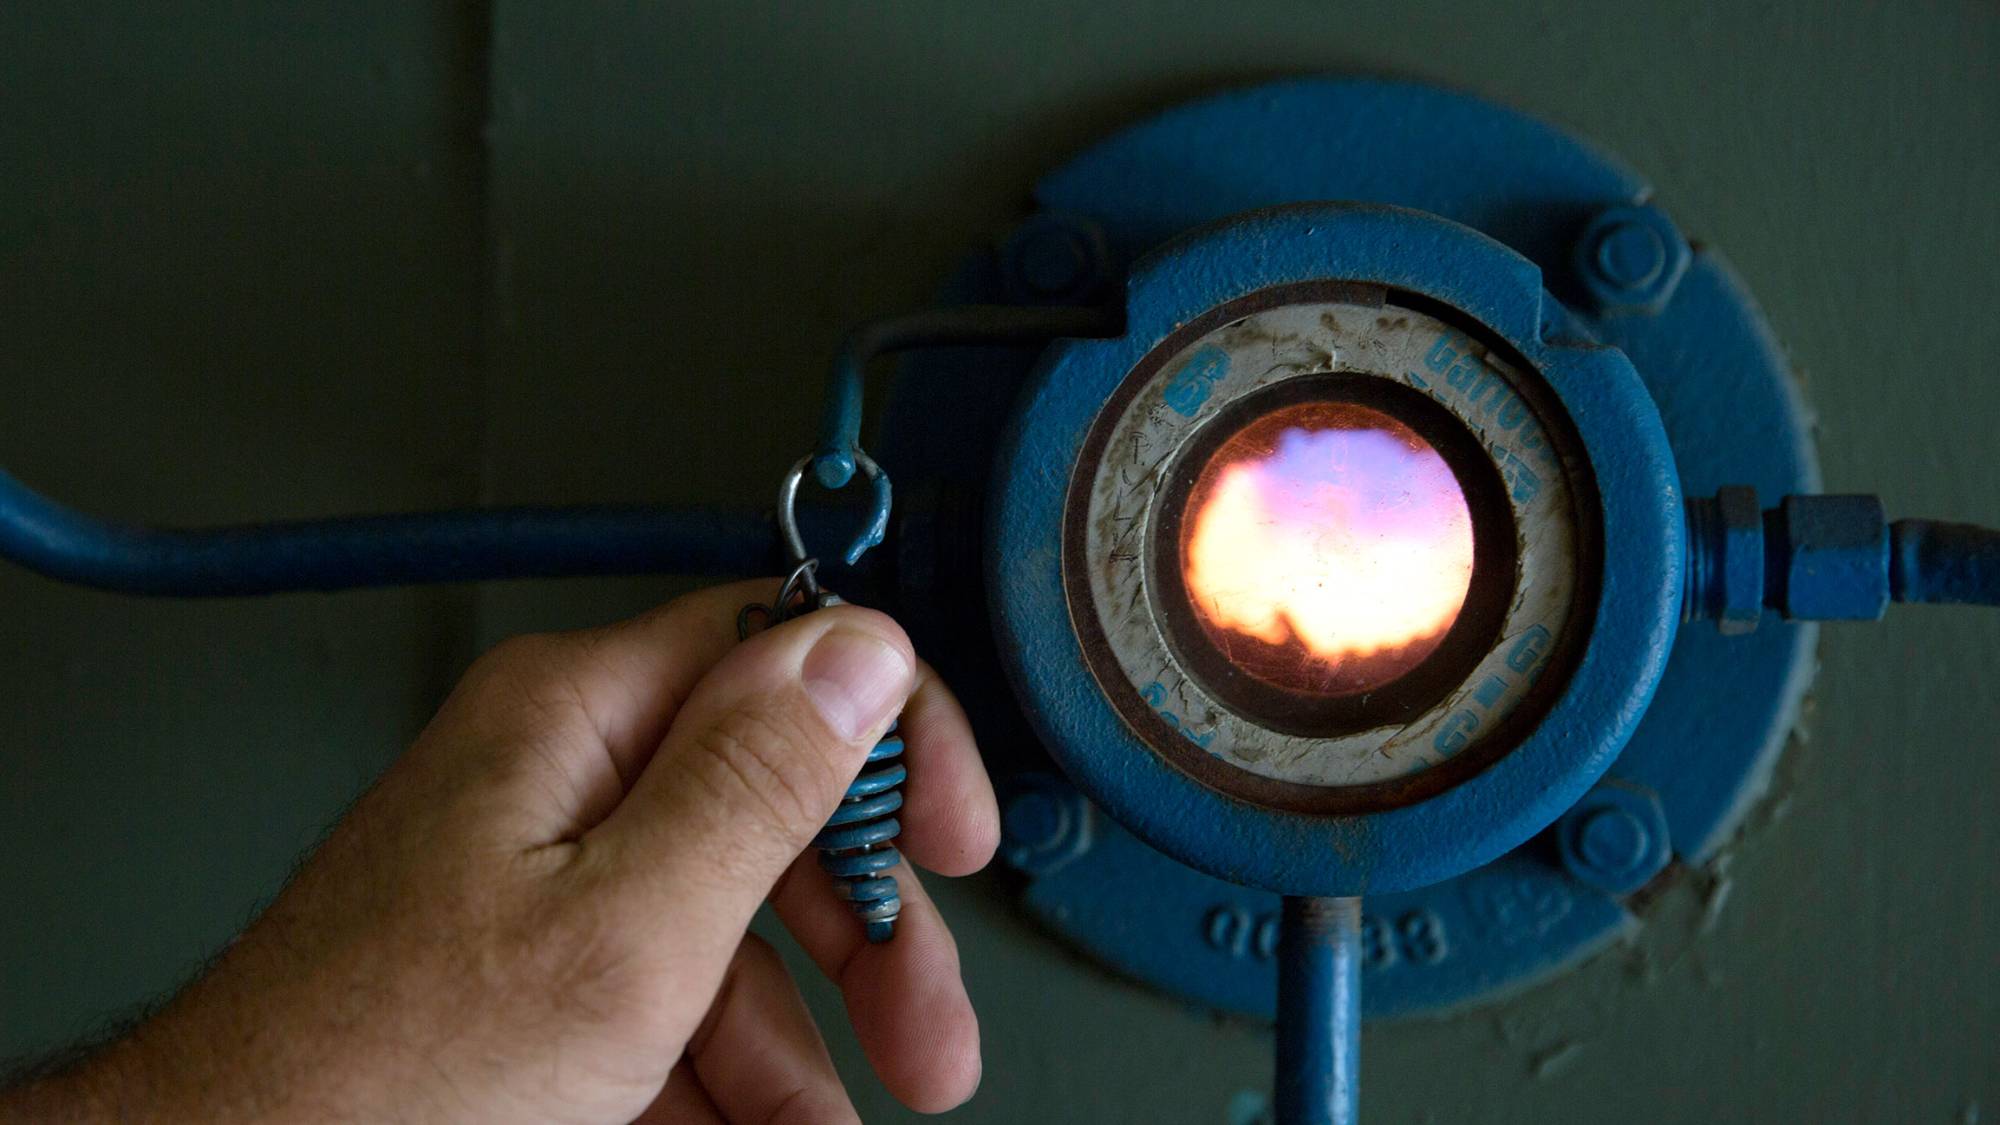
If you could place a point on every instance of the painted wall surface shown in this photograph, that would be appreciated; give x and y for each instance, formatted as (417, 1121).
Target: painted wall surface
(263, 265)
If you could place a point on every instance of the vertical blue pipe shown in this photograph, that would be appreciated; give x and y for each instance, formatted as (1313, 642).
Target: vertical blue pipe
(1319, 1012)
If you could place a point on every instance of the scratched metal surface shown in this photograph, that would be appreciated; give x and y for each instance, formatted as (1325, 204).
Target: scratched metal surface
(250, 266)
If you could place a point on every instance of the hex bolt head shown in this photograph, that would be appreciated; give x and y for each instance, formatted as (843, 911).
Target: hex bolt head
(1051, 261)
(1044, 824)
(1615, 839)
(1630, 255)
(1631, 259)
(1054, 259)
(1612, 839)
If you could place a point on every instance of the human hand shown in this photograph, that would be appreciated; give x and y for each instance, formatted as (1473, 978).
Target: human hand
(539, 913)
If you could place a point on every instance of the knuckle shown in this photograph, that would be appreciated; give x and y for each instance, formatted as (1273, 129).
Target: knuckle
(694, 604)
(518, 659)
(529, 679)
(517, 650)
(709, 610)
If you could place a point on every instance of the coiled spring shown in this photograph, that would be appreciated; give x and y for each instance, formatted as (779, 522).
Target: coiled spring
(857, 845)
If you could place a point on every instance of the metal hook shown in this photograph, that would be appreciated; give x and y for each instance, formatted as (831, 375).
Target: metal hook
(870, 535)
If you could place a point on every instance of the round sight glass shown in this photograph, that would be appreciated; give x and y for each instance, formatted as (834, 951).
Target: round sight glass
(1332, 553)
(1326, 548)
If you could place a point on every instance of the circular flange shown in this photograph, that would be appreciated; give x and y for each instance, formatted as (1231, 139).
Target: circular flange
(1628, 523)
(1722, 712)
(1126, 590)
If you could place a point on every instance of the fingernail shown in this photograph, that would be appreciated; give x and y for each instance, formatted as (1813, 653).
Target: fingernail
(856, 681)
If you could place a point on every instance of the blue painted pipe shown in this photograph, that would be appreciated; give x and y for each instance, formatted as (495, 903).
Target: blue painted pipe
(1319, 1012)
(390, 550)
(1944, 563)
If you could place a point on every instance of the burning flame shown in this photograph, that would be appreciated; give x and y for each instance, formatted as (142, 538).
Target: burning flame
(1347, 534)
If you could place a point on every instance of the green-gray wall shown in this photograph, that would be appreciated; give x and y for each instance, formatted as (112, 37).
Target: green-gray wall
(260, 264)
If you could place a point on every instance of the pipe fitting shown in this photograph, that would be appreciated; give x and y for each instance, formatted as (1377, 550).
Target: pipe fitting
(1725, 571)
(1828, 558)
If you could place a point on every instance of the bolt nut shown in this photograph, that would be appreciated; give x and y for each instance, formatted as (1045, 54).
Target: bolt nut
(1044, 824)
(1615, 839)
(1726, 560)
(1054, 259)
(1631, 259)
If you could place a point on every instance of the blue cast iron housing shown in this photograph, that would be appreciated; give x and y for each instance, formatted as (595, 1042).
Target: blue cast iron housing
(1732, 415)
(1631, 484)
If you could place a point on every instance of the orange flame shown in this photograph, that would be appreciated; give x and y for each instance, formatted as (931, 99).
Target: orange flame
(1334, 526)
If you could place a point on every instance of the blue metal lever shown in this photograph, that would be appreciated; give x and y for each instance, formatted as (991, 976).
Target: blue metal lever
(965, 325)
(390, 550)
(839, 453)
(1319, 1011)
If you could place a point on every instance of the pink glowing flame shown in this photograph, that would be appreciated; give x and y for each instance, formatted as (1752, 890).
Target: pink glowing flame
(1331, 526)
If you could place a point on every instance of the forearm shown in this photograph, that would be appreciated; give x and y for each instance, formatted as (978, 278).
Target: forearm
(125, 1079)
(274, 1031)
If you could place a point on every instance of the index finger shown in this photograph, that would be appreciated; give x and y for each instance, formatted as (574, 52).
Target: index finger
(617, 687)
(634, 675)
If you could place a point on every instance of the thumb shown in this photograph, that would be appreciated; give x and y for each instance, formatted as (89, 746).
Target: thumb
(753, 764)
